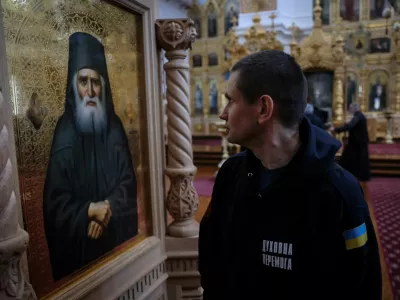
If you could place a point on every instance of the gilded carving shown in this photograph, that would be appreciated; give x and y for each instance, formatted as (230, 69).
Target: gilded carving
(321, 52)
(256, 39)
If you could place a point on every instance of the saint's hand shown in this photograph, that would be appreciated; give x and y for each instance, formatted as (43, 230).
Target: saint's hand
(95, 230)
(100, 212)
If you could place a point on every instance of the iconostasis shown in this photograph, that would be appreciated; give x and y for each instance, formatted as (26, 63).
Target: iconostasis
(370, 35)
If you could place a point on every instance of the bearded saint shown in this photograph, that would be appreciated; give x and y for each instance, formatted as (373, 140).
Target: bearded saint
(89, 197)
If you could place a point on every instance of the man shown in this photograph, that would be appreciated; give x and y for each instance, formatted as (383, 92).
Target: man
(355, 156)
(89, 198)
(285, 221)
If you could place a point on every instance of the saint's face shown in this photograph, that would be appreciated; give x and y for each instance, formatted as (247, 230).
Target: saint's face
(89, 85)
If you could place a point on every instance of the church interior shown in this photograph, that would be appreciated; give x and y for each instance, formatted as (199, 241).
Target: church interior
(168, 62)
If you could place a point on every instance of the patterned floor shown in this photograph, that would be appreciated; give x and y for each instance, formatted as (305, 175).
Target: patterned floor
(385, 201)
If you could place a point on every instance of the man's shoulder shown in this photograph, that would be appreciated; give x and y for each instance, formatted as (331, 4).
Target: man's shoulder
(345, 186)
(235, 161)
(231, 168)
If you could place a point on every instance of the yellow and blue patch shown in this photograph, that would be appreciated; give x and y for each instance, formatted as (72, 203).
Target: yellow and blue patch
(356, 237)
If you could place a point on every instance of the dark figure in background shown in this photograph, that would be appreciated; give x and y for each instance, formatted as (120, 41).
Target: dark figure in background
(89, 197)
(285, 221)
(314, 119)
(355, 156)
(231, 17)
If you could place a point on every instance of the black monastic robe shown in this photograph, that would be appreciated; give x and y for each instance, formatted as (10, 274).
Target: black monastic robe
(355, 156)
(85, 168)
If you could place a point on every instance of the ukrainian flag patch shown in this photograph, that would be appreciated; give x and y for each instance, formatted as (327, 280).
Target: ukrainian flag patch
(356, 237)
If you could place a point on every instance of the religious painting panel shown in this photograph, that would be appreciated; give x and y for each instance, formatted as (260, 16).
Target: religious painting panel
(350, 10)
(357, 42)
(379, 45)
(226, 54)
(376, 8)
(320, 92)
(213, 59)
(378, 90)
(213, 96)
(80, 132)
(231, 14)
(195, 14)
(396, 6)
(325, 15)
(212, 23)
(351, 89)
(251, 6)
(198, 96)
(197, 60)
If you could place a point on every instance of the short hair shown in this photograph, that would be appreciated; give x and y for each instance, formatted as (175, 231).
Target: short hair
(355, 105)
(277, 74)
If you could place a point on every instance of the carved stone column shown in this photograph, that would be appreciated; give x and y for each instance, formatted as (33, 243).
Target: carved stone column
(13, 240)
(175, 37)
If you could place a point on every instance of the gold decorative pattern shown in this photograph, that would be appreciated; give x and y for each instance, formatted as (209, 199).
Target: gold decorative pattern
(37, 48)
(251, 6)
(256, 39)
(322, 52)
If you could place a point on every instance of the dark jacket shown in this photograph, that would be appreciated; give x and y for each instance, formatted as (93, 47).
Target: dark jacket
(355, 156)
(316, 121)
(287, 241)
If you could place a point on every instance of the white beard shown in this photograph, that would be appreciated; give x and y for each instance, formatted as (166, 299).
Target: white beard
(90, 119)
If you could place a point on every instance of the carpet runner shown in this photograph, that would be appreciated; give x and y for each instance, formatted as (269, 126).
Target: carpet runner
(385, 204)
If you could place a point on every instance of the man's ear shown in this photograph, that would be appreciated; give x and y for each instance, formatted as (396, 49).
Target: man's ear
(266, 108)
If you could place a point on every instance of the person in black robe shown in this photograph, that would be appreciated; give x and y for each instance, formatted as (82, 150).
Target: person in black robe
(90, 192)
(355, 156)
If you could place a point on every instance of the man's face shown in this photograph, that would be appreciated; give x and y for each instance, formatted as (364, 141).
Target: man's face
(89, 84)
(90, 104)
(241, 118)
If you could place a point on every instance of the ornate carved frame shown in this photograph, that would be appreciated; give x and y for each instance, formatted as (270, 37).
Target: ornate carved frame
(112, 278)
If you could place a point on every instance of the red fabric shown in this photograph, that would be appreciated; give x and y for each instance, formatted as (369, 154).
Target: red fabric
(386, 149)
(204, 186)
(385, 202)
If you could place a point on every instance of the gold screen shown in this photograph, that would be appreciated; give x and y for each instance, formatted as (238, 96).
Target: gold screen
(37, 35)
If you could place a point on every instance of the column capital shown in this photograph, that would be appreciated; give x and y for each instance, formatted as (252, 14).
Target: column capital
(175, 34)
